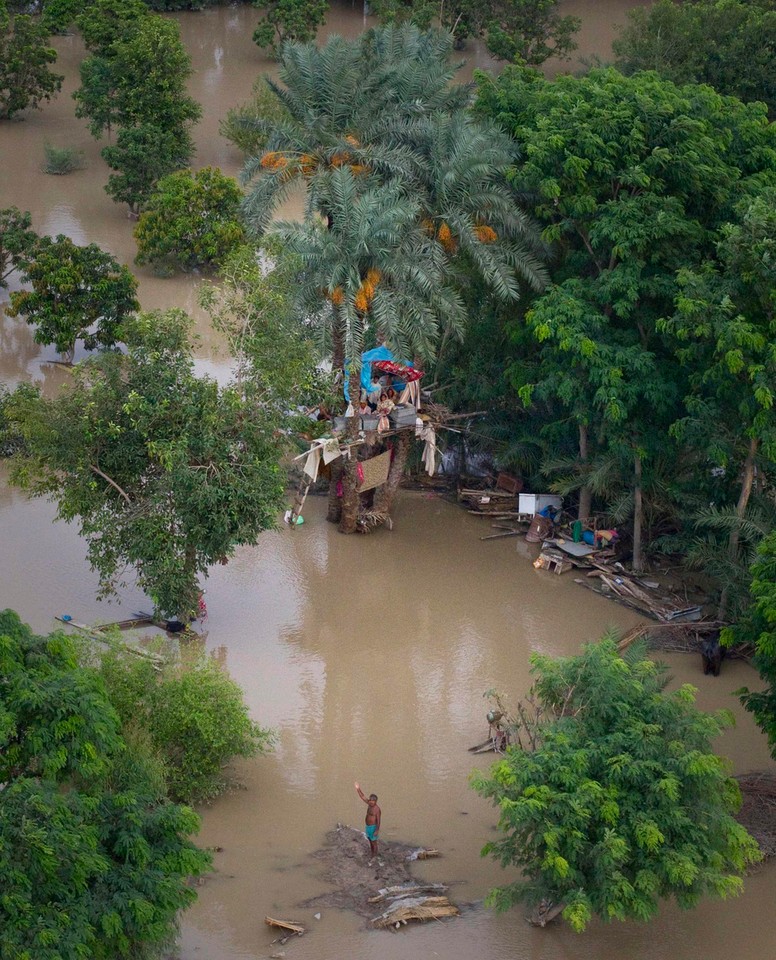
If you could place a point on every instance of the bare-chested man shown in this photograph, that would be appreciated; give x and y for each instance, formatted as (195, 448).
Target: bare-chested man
(372, 821)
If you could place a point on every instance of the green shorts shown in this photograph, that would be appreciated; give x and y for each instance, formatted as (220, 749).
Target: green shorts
(371, 831)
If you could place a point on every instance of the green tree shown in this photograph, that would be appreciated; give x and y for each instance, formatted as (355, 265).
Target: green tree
(78, 293)
(528, 31)
(190, 220)
(631, 178)
(240, 126)
(284, 20)
(25, 57)
(140, 79)
(17, 240)
(276, 362)
(94, 861)
(728, 44)
(103, 22)
(612, 799)
(193, 714)
(382, 134)
(141, 156)
(725, 327)
(166, 472)
(758, 626)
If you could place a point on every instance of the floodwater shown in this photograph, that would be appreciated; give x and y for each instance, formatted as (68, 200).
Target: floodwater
(379, 681)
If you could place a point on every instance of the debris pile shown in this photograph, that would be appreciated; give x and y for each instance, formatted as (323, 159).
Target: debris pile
(758, 811)
(359, 884)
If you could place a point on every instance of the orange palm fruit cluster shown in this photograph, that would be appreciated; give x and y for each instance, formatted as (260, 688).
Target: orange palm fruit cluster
(485, 234)
(366, 291)
(446, 238)
(352, 140)
(428, 226)
(338, 159)
(337, 296)
(307, 163)
(273, 160)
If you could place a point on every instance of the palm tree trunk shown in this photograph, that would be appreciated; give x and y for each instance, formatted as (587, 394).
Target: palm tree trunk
(638, 562)
(747, 481)
(585, 493)
(350, 496)
(386, 494)
(334, 512)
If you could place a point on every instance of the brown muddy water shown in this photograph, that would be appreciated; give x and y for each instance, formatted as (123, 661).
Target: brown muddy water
(381, 683)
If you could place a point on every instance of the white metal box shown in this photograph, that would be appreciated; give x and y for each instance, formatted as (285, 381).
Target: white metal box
(536, 502)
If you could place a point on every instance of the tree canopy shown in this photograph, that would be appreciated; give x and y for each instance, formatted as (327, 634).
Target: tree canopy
(728, 44)
(78, 293)
(95, 861)
(25, 57)
(614, 801)
(165, 471)
(191, 220)
(632, 178)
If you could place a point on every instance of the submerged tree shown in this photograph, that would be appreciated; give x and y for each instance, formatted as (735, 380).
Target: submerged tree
(725, 326)
(25, 57)
(612, 800)
(632, 178)
(95, 860)
(758, 627)
(191, 220)
(288, 20)
(728, 44)
(165, 471)
(78, 293)
(17, 239)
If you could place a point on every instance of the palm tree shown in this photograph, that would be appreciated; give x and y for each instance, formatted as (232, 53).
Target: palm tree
(371, 268)
(405, 193)
(349, 102)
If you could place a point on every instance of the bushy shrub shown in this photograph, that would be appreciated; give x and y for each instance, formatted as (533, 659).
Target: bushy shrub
(61, 160)
(194, 715)
(249, 126)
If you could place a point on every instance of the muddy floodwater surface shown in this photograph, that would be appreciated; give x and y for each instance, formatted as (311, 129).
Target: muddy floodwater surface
(378, 680)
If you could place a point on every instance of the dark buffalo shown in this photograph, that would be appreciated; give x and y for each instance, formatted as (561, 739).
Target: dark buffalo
(712, 653)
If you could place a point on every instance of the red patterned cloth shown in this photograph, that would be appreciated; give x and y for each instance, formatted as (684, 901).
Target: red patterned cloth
(406, 374)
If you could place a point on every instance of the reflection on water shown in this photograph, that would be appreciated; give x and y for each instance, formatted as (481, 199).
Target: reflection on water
(368, 655)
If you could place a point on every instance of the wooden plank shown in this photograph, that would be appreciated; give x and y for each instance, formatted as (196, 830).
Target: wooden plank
(289, 925)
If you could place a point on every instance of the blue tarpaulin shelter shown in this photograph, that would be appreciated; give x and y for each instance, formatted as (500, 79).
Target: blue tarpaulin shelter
(368, 357)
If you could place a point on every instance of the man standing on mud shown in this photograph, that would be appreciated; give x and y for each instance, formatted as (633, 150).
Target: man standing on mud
(372, 820)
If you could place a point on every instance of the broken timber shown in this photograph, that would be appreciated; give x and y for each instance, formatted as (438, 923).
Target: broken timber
(419, 908)
(288, 925)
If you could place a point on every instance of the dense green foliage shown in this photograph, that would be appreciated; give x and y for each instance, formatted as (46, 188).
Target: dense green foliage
(95, 861)
(190, 220)
(288, 20)
(136, 80)
(522, 31)
(166, 472)
(758, 627)
(632, 179)
(615, 801)
(193, 715)
(17, 240)
(728, 44)
(78, 293)
(239, 124)
(25, 57)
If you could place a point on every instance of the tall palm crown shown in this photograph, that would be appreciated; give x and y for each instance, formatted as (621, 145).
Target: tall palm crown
(372, 266)
(384, 113)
